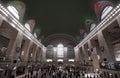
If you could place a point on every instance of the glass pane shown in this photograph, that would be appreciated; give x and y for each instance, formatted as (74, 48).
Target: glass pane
(13, 11)
(106, 11)
(60, 50)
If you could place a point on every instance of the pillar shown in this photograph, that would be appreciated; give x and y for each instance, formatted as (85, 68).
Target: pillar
(1, 20)
(43, 54)
(28, 44)
(65, 54)
(95, 61)
(40, 58)
(90, 47)
(38, 54)
(76, 54)
(106, 43)
(90, 44)
(118, 20)
(14, 47)
(34, 53)
(55, 54)
(85, 54)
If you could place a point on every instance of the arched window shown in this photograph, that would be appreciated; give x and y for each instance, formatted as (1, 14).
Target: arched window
(106, 10)
(49, 52)
(70, 52)
(27, 26)
(13, 11)
(60, 50)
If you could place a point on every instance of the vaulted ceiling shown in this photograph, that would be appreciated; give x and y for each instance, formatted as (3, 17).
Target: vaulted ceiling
(60, 16)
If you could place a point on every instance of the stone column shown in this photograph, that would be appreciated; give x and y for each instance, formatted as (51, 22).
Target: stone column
(43, 54)
(118, 20)
(76, 50)
(90, 44)
(106, 43)
(26, 49)
(40, 58)
(37, 56)
(81, 54)
(34, 53)
(65, 54)
(95, 59)
(118, 74)
(1, 20)
(55, 54)
(90, 47)
(14, 47)
(85, 54)
(94, 56)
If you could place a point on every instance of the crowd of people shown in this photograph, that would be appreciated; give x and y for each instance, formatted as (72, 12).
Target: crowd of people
(60, 72)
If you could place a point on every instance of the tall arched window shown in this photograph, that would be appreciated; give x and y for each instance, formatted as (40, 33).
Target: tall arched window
(13, 11)
(60, 50)
(49, 52)
(106, 10)
(70, 52)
